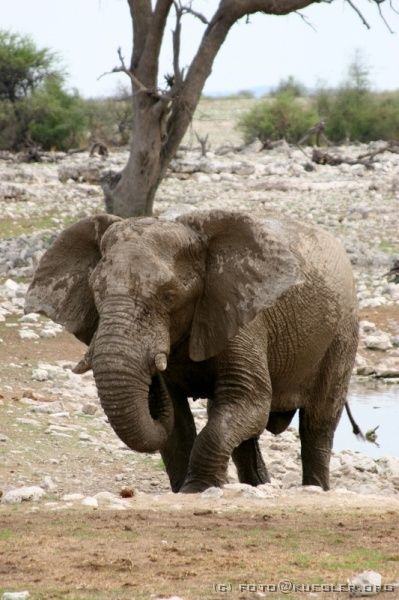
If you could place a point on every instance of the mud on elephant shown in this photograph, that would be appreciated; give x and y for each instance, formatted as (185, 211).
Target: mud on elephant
(259, 315)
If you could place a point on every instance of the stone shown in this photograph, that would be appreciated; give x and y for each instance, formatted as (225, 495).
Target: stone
(367, 326)
(27, 334)
(30, 318)
(31, 422)
(378, 341)
(48, 484)
(89, 409)
(15, 596)
(72, 497)
(23, 494)
(311, 489)
(48, 333)
(90, 501)
(367, 583)
(40, 374)
(212, 492)
(48, 408)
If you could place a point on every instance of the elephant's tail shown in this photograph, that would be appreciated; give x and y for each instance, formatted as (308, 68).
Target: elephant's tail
(355, 427)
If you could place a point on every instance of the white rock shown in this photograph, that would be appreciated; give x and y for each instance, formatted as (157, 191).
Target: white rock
(15, 596)
(23, 494)
(311, 489)
(106, 498)
(72, 497)
(40, 374)
(30, 318)
(48, 483)
(48, 333)
(367, 583)
(90, 501)
(168, 598)
(11, 287)
(31, 422)
(367, 326)
(212, 492)
(27, 334)
(178, 210)
(378, 341)
(48, 408)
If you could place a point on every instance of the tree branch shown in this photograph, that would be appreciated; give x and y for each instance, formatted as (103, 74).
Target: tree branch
(149, 59)
(383, 18)
(357, 11)
(140, 11)
(176, 37)
(138, 87)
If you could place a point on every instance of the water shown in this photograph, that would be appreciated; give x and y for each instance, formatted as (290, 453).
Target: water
(369, 409)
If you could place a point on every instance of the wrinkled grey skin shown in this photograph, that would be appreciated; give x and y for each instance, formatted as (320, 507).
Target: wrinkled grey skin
(257, 315)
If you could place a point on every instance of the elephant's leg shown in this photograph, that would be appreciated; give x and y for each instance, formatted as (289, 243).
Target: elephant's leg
(319, 418)
(238, 411)
(249, 462)
(226, 429)
(176, 452)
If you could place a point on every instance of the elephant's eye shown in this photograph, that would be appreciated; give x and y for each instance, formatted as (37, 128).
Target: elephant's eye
(168, 297)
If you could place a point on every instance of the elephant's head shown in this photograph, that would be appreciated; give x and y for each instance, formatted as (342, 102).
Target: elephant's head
(135, 288)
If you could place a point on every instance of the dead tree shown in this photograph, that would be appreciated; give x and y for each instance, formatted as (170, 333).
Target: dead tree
(367, 159)
(203, 142)
(317, 131)
(161, 117)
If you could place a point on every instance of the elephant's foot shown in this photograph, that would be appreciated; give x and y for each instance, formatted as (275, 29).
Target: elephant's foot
(195, 487)
(248, 460)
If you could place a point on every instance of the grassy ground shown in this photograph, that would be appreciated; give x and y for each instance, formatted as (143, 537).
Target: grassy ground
(104, 555)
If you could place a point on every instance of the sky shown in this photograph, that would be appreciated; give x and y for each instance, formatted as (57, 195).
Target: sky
(87, 33)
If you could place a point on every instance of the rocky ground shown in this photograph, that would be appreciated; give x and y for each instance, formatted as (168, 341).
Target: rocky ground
(57, 450)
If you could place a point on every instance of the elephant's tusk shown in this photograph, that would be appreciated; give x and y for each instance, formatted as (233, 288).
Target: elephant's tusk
(83, 365)
(161, 361)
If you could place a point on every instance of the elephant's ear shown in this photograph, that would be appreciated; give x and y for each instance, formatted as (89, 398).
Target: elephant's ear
(60, 288)
(248, 267)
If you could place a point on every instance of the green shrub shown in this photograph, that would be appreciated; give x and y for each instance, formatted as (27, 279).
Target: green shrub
(57, 117)
(283, 116)
(291, 85)
(110, 119)
(34, 106)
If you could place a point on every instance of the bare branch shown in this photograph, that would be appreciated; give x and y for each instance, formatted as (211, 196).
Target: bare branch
(139, 87)
(355, 8)
(176, 37)
(383, 17)
(393, 8)
(190, 11)
(305, 20)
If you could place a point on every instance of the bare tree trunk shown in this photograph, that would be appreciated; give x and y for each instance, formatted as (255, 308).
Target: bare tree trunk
(160, 119)
(135, 191)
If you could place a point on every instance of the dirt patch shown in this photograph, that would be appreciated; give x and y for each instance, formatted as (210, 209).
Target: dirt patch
(18, 357)
(385, 318)
(186, 553)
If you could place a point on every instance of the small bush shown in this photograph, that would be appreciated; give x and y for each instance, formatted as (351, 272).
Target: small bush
(34, 105)
(57, 118)
(110, 119)
(291, 85)
(283, 116)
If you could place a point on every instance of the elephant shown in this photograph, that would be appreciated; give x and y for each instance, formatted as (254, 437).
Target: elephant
(256, 314)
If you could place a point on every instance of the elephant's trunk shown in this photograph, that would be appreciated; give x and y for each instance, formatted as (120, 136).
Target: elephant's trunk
(125, 387)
